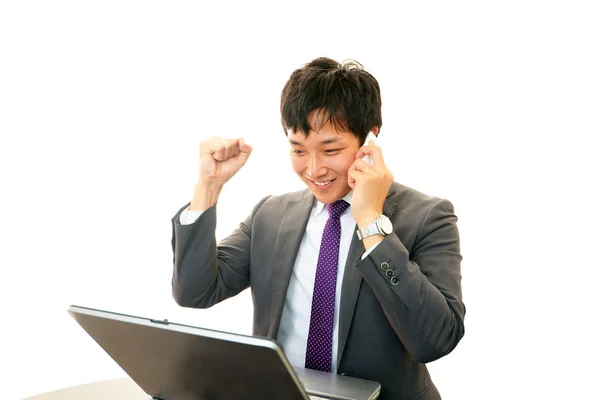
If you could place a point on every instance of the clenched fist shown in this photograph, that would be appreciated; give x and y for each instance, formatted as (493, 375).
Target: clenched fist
(220, 159)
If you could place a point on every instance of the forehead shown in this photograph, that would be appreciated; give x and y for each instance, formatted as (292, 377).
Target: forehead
(325, 134)
(318, 138)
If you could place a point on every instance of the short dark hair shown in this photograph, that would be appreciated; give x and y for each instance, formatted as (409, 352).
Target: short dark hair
(344, 94)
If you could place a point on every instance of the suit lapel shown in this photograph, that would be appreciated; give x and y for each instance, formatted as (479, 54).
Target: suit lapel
(352, 281)
(287, 242)
(350, 289)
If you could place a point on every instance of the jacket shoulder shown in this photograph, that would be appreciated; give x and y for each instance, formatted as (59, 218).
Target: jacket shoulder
(282, 199)
(413, 206)
(400, 193)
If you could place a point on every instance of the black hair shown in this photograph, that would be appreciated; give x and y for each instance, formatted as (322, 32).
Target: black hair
(343, 94)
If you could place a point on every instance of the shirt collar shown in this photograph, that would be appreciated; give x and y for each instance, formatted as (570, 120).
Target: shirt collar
(319, 207)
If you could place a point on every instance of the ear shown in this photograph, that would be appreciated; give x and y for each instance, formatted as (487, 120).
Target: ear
(375, 130)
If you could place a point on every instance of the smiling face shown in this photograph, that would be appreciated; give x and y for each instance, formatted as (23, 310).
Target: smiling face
(322, 160)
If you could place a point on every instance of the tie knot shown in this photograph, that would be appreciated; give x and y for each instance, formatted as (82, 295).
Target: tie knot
(336, 209)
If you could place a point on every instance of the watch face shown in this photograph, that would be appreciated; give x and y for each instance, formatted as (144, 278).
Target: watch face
(386, 225)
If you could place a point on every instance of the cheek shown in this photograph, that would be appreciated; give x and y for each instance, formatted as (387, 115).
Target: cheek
(341, 165)
(297, 164)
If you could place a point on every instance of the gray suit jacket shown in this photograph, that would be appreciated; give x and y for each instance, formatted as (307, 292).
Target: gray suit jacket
(387, 331)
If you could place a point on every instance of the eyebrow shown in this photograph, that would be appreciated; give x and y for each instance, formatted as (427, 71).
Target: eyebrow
(326, 141)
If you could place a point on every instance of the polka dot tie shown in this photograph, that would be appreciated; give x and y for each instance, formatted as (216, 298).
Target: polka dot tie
(320, 333)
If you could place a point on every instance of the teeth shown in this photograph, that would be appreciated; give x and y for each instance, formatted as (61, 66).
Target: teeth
(322, 183)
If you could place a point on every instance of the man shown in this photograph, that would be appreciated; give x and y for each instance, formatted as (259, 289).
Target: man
(356, 275)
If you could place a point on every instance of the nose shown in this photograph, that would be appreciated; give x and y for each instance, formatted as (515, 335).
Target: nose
(316, 166)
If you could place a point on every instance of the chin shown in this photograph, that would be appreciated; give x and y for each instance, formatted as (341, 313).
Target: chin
(331, 194)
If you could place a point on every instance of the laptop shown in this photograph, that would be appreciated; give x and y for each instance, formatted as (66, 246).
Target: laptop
(171, 361)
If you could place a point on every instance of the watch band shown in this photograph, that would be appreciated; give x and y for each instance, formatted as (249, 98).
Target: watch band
(369, 230)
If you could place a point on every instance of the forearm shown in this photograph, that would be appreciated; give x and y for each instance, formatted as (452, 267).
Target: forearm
(202, 275)
(205, 196)
(428, 323)
(420, 290)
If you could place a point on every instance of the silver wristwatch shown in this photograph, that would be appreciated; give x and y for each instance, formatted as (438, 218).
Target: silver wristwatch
(381, 226)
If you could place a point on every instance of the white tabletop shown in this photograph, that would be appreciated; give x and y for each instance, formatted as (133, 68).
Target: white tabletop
(114, 389)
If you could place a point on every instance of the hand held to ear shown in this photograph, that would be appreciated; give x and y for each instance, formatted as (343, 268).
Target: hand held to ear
(371, 180)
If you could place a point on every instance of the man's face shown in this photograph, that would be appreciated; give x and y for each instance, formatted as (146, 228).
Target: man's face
(322, 160)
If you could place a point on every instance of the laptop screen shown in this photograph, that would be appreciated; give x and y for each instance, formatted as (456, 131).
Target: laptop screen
(174, 361)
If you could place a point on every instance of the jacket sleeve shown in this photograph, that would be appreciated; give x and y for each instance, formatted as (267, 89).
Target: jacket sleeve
(203, 273)
(422, 300)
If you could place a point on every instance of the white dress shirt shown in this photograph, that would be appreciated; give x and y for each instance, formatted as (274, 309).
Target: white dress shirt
(295, 318)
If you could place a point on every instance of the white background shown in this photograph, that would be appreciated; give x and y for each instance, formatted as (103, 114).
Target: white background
(493, 105)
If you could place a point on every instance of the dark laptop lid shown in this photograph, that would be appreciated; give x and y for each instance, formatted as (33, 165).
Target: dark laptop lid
(180, 362)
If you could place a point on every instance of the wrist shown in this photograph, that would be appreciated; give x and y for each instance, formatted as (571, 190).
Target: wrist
(205, 196)
(372, 241)
(382, 226)
(367, 219)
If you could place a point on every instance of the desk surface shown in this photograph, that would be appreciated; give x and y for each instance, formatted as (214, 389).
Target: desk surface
(114, 389)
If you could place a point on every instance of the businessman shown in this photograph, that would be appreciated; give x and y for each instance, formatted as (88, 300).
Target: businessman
(357, 274)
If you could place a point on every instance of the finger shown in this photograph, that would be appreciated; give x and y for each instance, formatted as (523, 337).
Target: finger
(223, 140)
(351, 181)
(360, 165)
(231, 149)
(373, 151)
(245, 147)
(238, 146)
(244, 151)
(218, 151)
(223, 149)
(213, 145)
(355, 176)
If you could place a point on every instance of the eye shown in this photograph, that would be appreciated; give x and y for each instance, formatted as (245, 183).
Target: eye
(332, 151)
(296, 152)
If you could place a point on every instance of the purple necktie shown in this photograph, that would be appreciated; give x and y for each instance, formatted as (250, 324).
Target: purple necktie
(320, 333)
